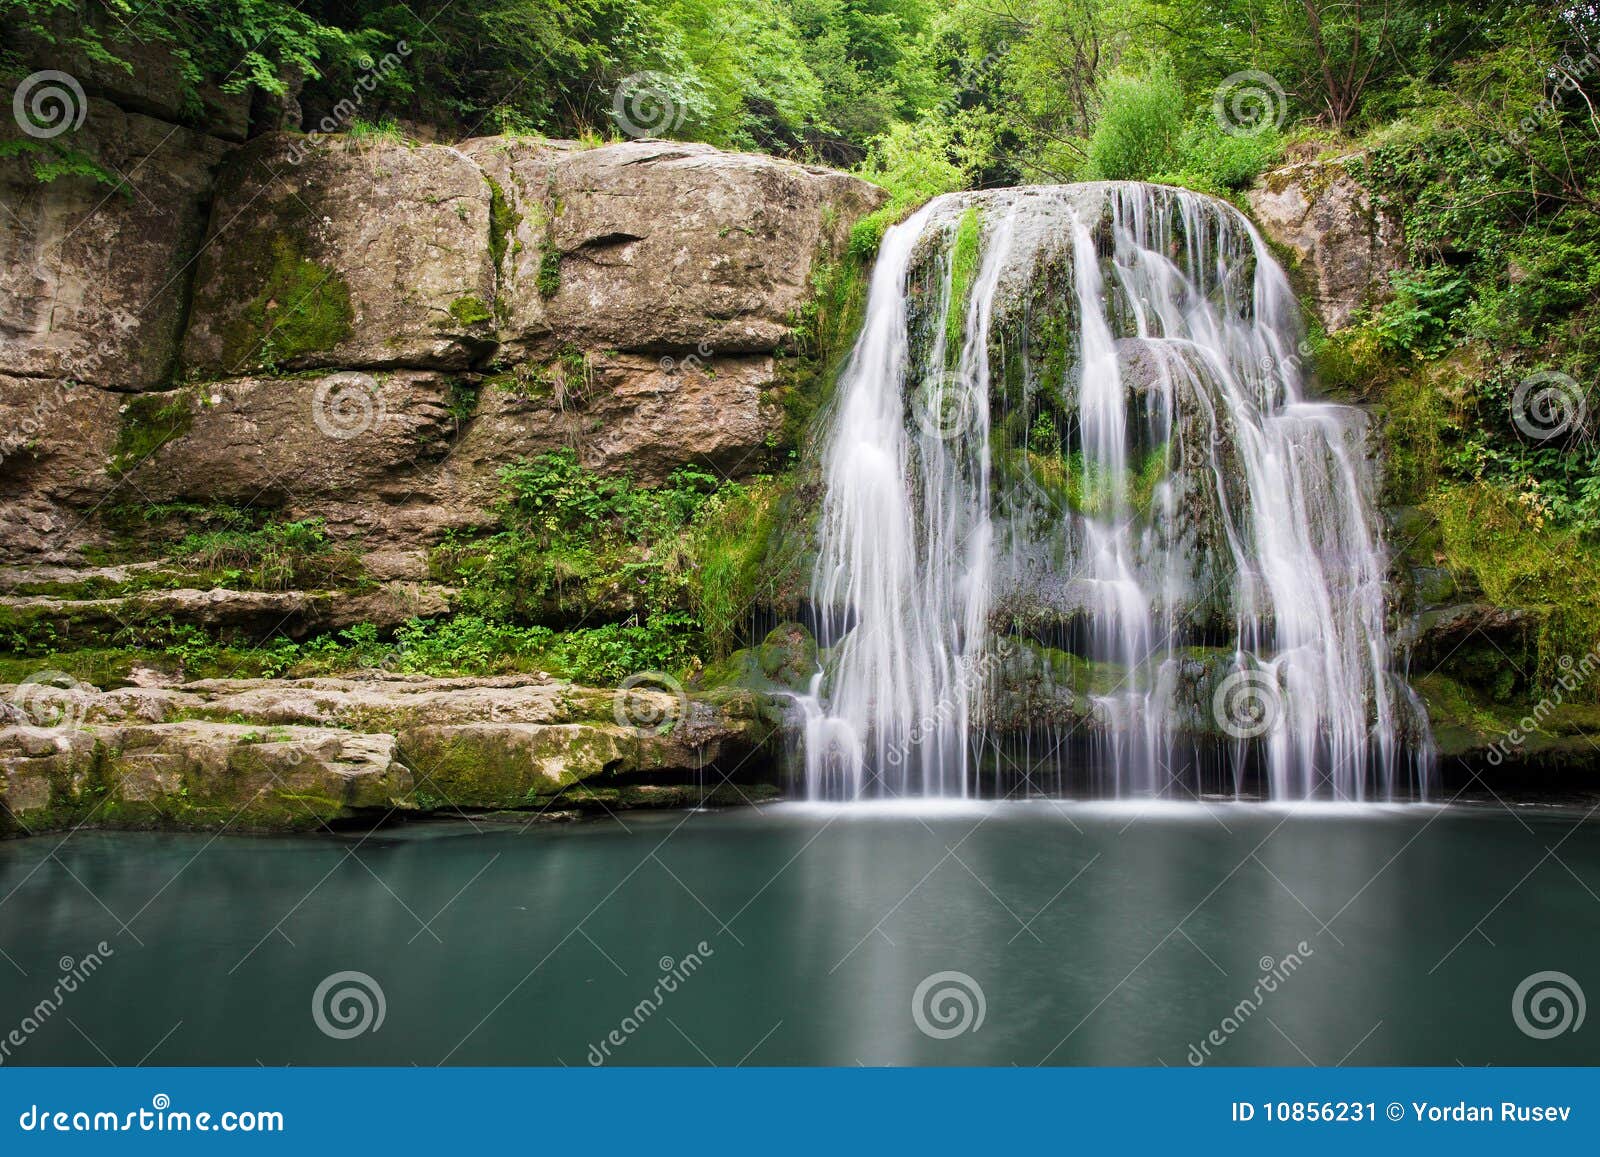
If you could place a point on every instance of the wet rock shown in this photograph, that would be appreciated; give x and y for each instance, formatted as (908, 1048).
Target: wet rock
(199, 774)
(1345, 244)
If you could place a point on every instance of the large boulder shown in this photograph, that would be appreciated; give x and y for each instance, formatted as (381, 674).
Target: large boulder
(271, 440)
(1343, 243)
(625, 414)
(94, 276)
(333, 253)
(656, 245)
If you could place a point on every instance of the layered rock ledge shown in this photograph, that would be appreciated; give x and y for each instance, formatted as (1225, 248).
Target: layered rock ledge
(284, 755)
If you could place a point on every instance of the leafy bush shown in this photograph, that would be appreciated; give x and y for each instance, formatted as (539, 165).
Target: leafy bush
(1423, 312)
(1214, 161)
(1141, 121)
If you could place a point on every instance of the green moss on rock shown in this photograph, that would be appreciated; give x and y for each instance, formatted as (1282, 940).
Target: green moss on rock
(469, 311)
(149, 421)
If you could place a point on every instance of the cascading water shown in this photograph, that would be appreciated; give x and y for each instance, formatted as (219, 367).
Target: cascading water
(1079, 516)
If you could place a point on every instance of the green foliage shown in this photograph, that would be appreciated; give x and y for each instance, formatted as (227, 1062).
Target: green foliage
(548, 280)
(1421, 314)
(149, 421)
(1489, 536)
(50, 159)
(470, 311)
(273, 556)
(916, 163)
(503, 222)
(1213, 160)
(672, 567)
(963, 269)
(1141, 120)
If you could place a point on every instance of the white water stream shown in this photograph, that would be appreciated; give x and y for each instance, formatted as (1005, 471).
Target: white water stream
(1157, 509)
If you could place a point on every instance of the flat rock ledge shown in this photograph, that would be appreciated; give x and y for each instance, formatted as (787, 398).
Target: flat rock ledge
(262, 755)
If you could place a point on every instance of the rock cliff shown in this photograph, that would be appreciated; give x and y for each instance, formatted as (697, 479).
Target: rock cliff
(362, 332)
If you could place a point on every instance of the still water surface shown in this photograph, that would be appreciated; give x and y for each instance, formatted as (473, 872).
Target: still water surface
(1096, 933)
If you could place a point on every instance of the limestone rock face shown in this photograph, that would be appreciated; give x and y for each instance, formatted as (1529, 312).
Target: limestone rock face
(368, 331)
(663, 245)
(627, 413)
(93, 278)
(1345, 244)
(312, 752)
(343, 255)
(198, 774)
(272, 441)
(56, 439)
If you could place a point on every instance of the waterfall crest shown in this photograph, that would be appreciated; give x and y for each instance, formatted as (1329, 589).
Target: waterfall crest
(1082, 527)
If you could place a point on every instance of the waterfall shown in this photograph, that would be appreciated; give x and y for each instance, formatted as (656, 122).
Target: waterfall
(1081, 524)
